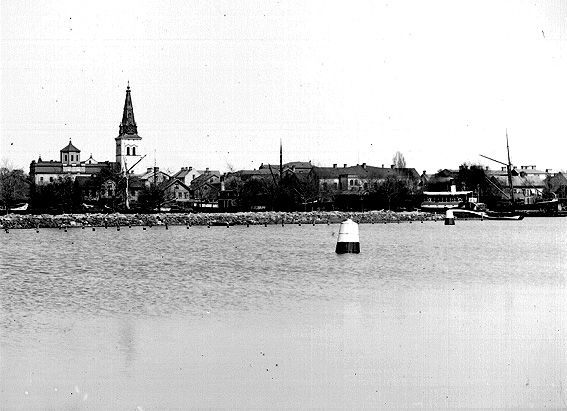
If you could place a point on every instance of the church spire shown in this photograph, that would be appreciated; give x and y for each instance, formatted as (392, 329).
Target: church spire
(128, 124)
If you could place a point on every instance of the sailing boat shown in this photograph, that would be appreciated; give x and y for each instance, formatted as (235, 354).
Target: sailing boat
(509, 211)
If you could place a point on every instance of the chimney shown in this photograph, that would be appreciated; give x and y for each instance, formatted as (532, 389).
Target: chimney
(382, 165)
(207, 170)
(150, 169)
(453, 188)
(335, 165)
(364, 166)
(345, 165)
(486, 168)
(222, 183)
(189, 168)
(392, 165)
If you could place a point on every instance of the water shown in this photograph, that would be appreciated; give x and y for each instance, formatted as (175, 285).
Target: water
(426, 317)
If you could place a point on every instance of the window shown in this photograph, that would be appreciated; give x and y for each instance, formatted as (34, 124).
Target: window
(41, 179)
(65, 158)
(179, 194)
(51, 179)
(127, 151)
(72, 157)
(351, 182)
(133, 151)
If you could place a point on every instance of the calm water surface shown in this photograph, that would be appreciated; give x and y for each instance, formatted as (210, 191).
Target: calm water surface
(426, 317)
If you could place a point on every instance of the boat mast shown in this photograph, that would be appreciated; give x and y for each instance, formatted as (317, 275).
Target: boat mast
(509, 169)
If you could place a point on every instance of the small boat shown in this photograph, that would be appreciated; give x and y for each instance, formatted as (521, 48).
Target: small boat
(217, 223)
(503, 215)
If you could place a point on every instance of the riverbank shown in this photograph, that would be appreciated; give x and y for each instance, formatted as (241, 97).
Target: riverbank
(17, 221)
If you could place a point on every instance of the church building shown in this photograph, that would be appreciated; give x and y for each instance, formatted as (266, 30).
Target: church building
(128, 153)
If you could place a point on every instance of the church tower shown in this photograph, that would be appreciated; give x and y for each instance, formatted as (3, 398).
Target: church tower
(128, 140)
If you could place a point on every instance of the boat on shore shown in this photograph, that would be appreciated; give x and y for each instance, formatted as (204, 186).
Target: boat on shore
(464, 214)
(503, 215)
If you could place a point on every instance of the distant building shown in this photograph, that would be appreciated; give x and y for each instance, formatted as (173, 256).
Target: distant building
(187, 174)
(528, 182)
(69, 165)
(360, 177)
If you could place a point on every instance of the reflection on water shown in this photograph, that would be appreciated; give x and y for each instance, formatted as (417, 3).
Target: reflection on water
(427, 316)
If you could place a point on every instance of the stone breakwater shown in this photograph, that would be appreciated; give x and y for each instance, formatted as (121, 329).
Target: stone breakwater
(15, 221)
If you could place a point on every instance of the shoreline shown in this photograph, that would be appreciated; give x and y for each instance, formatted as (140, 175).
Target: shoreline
(25, 221)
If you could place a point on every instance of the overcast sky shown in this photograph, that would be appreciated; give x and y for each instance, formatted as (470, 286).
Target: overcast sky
(221, 82)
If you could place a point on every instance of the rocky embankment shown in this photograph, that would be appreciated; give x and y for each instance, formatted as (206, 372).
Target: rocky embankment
(14, 221)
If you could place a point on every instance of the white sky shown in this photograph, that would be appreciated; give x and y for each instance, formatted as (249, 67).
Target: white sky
(220, 82)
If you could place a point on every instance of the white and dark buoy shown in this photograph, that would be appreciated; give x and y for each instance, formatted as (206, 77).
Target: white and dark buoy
(449, 218)
(348, 241)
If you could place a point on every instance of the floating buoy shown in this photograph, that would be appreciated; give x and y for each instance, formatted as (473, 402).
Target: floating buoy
(265, 224)
(348, 241)
(166, 226)
(93, 229)
(144, 228)
(449, 218)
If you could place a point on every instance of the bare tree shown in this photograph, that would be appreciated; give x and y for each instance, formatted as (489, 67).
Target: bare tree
(230, 168)
(398, 160)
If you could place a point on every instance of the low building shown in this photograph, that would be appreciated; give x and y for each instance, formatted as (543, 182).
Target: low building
(360, 177)
(69, 165)
(186, 175)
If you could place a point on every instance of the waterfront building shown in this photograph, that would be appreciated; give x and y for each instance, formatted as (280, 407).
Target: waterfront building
(69, 165)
